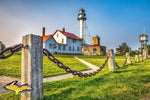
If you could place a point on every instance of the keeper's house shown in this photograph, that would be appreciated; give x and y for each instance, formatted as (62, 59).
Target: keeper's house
(62, 42)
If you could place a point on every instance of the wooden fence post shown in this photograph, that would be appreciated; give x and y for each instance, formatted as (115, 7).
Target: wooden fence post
(32, 66)
(111, 60)
(128, 58)
(136, 58)
(144, 55)
(140, 57)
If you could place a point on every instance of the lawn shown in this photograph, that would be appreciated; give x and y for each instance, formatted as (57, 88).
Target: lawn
(12, 65)
(131, 82)
(99, 60)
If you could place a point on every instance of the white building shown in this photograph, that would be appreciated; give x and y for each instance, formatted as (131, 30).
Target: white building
(62, 42)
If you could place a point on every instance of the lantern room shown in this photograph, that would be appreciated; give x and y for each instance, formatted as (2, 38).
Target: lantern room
(143, 38)
(82, 15)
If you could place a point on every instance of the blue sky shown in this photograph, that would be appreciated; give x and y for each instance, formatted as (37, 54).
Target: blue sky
(115, 21)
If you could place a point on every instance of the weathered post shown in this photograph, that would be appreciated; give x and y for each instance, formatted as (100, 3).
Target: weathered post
(144, 55)
(111, 60)
(136, 58)
(128, 58)
(140, 57)
(32, 67)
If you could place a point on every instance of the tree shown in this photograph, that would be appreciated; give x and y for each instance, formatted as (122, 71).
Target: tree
(148, 47)
(2, 46)
(134, 52)
(122, 49)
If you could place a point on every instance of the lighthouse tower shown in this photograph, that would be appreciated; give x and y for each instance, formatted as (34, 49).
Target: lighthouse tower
(82, 19)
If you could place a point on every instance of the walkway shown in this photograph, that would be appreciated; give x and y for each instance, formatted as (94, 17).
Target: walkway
(93, 68)
(5, 79)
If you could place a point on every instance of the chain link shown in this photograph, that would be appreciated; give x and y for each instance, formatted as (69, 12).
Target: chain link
(11, 50)
(67, 69)
(122, 65)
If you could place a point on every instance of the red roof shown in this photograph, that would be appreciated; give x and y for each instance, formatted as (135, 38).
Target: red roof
(143, 35)
(69, 35)
(81, 9)
(94, 46)
(45, 38)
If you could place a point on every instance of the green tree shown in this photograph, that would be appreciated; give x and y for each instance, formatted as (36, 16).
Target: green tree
(122, 49)
(2, 46)
(134, 52)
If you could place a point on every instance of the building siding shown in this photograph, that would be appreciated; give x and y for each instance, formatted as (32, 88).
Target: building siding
(70, 44)
(88, 50)
(50, 45)
(60, 47)
(58, 36)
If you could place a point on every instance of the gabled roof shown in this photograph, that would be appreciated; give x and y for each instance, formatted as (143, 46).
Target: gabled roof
(69, 35)
(143, 35)
(45, 38)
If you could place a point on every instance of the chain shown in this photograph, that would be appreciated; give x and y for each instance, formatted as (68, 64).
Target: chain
(122, 65)
(117, 65)
(67, 69)
(11, 50)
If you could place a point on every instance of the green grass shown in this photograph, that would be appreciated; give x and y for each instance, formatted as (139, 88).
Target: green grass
(131, 82)
(99, 60)
(12, 65)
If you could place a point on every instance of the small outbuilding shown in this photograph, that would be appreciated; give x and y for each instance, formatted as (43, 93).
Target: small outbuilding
(95, 49)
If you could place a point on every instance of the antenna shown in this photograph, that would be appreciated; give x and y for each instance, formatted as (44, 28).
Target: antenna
(144, 29)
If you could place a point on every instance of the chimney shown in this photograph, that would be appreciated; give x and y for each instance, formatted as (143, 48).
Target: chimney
(63, 29)
(43, 31)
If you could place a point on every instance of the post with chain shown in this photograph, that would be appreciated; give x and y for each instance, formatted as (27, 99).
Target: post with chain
(32, 66)
(136, 58)
(128, 58)
(111, 60)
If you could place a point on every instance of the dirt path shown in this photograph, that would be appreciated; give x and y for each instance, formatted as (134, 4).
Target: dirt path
(6, 79)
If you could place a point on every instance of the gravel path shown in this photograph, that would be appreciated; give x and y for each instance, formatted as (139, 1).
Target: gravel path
(6, 79)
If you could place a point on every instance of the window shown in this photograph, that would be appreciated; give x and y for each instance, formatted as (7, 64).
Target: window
(50, 46)
(64, 47)
(62, 40)
(94, 40)
(69, 48)
(54, 46)
(77, 48)
(59, 47)
(57, 34)
(102, 49)
(74, 41)
(73, 48)
(94, 50)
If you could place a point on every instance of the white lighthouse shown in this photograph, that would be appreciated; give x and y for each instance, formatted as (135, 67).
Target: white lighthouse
(82, 19)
